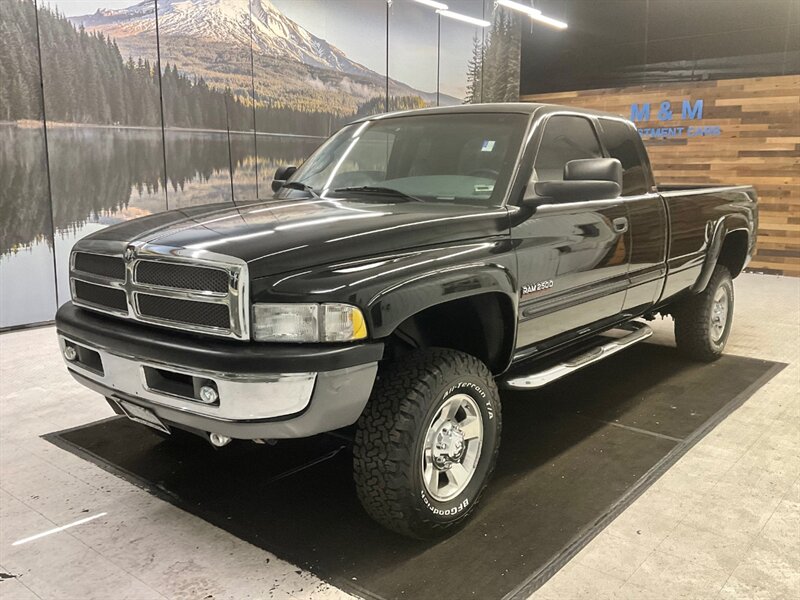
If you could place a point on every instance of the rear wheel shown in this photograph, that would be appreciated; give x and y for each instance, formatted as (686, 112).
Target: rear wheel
(427, 442)
(703, 322)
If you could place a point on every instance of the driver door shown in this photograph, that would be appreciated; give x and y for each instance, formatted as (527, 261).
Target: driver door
(572, 257)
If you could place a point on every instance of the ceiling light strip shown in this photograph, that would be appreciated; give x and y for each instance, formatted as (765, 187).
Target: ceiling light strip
(465, 18)
(528, 10)
(533, 13)
(550, 21)
(433, 4)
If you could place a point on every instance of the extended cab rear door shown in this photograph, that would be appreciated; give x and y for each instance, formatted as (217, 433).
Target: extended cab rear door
(646, 214)
(573, 257)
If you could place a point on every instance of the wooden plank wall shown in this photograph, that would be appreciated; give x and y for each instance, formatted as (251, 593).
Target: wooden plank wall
(759, 145)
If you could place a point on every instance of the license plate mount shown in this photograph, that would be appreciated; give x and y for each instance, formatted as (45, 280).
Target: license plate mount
(142, 415)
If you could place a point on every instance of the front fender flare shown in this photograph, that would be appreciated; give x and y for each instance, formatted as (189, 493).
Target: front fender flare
(393, 305)
(391, 288)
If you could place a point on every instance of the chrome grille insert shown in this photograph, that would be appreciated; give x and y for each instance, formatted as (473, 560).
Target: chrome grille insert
(190, 290)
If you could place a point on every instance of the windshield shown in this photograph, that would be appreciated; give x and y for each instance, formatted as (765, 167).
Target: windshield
(438, 157)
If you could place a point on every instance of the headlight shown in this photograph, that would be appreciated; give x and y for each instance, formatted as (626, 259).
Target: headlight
(308, 323)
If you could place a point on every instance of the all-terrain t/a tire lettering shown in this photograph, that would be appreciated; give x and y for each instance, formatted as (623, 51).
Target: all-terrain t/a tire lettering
(427, 442)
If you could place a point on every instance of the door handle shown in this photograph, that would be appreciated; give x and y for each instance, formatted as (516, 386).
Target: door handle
(620, 224)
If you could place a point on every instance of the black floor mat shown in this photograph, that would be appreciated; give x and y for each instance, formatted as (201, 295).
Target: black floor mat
(573, 456)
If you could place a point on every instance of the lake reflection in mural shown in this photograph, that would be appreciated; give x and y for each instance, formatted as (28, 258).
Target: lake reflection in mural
(101, 176)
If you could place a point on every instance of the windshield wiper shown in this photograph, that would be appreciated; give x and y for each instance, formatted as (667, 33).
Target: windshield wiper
(385, 191)
(297, 185)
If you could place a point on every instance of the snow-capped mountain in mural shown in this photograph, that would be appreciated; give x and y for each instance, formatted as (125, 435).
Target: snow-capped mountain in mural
(226, 21)
(213, 38)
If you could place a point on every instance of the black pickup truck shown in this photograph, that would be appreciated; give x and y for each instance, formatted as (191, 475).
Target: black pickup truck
(414, 263)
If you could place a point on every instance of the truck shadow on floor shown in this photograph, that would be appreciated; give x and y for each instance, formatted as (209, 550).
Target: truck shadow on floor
(570, 454)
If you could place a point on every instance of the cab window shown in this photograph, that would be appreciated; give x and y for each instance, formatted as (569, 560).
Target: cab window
(621, 143)
(565, 138)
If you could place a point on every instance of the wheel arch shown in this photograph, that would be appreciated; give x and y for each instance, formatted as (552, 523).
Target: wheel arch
(733, 253)
(730, 245)
(482, 325)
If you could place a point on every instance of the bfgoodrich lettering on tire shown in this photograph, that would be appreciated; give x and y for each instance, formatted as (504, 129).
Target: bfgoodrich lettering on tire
(426, 444)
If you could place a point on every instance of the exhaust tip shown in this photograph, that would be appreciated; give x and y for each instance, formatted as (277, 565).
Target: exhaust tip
(218, 440)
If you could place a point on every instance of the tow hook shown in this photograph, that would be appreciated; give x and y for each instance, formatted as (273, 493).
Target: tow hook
(268, 441)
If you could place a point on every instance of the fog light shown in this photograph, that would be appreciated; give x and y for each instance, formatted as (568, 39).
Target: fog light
(208, 394)
(70, 353)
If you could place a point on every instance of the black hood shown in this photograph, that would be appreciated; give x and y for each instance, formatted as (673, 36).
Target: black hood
(279, 236)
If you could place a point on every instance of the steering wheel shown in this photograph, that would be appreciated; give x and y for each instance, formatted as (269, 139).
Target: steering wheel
(486, 173)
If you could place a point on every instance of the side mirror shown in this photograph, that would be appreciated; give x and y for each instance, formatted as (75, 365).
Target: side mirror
(281, 175)
(584, 179)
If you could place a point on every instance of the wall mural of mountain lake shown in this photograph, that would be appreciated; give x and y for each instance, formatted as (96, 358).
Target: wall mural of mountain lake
(244, 86)
(102, 176)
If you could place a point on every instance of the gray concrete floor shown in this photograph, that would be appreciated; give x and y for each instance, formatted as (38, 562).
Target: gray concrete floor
(724, 522)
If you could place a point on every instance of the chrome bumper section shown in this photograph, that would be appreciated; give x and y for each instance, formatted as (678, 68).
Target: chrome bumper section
(259, 405)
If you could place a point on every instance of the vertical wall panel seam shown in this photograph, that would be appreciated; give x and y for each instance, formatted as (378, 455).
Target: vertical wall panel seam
(483, 47)
(438, 54)
(253, 93)
(388, 5)
(46, 152)
(230, 151)
(161, 105)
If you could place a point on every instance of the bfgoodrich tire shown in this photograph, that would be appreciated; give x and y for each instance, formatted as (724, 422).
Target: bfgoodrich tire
(703, 322)
(426, 444)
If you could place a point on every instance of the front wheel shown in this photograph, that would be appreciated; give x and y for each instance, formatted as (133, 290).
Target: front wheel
(426, 444)
(703, 322)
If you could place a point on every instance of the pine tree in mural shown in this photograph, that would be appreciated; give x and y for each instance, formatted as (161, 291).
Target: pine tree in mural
(378, 105)
(474, 71)
(493, 70)
(19, 66)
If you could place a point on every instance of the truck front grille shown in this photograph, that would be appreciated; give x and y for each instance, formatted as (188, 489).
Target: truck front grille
(100, 296)
(112, 267)
(184, 311)
(164, 286)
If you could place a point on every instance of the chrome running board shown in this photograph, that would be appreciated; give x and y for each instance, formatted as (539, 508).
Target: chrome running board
(638, 333)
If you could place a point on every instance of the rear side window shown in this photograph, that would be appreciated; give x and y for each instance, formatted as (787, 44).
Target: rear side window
(564, 139)
(621, 143)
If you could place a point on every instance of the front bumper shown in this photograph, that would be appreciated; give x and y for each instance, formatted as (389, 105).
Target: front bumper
(265, 391)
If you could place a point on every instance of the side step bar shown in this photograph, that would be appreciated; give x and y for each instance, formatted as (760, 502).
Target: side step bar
(638, 333)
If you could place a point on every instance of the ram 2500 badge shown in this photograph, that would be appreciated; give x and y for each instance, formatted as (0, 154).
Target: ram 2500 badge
(416, 262)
